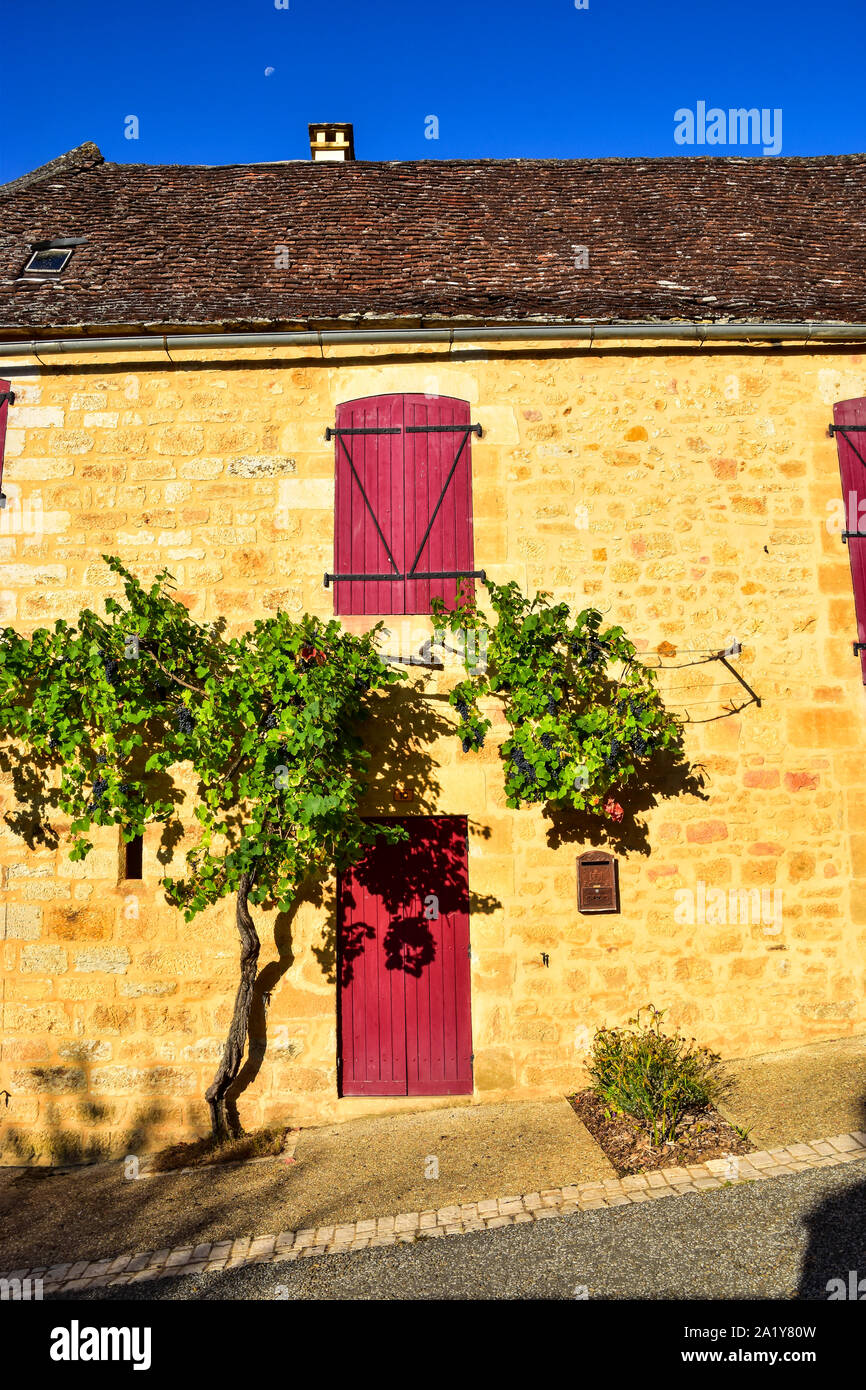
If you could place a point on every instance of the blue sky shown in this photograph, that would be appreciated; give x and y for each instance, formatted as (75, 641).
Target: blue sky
(503, 79)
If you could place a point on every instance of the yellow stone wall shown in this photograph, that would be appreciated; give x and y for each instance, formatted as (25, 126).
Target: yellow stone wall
(684, 491)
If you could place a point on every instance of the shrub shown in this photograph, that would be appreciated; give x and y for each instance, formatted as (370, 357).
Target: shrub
(654, 1077)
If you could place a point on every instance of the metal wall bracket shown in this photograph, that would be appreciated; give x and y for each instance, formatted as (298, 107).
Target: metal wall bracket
(720, 656)
(845, 430)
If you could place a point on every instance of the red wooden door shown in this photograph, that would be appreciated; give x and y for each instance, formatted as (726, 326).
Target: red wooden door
(405, 1017)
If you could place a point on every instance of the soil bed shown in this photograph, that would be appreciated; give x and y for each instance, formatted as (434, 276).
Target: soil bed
(262, 1143)
(627, 1142)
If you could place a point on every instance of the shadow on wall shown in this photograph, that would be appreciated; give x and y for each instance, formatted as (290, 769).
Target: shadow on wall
(400, 877)
(266, 982)
(396, 875)
(36, 798)
(834, 1263)
(667, 775)
(400, 745)
(96, 1135)
(400, 737)
(403, 733)
(345, 358)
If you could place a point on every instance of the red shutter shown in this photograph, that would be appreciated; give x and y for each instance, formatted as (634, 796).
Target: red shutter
(369, 505)
(852, 453)
(429, 456)
(403, 502)
(5, 391)
(405, 1015)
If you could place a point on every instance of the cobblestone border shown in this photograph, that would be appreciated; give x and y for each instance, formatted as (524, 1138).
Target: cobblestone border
(446, 1221)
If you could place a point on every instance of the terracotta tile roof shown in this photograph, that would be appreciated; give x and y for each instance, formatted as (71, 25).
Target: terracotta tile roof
(299, 243)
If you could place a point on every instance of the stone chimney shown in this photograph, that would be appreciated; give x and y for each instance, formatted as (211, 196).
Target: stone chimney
(331, 140)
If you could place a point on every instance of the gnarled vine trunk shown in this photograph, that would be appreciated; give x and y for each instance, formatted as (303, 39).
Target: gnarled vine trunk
(237, 1035)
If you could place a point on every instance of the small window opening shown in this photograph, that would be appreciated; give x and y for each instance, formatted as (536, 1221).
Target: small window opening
(51, 261)
(133, 857)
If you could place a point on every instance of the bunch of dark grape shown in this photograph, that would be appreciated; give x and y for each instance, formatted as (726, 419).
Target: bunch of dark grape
(589, 654)
(361, 685)
(100, 787)
(631, 701)
(547, 741)
(462, 708)
(612, 754)
(184, 722)
(551, 705)
(525, 768)
(271, 721)
(53, 742)
(638, 744)
(110, 669)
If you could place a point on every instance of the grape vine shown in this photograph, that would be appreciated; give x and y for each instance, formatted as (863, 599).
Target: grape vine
(585, 714)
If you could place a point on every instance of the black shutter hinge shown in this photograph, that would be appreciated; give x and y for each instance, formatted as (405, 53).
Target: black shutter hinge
(412, 574)
(335, 433)
(858, 647)
(331, 433)
(444, 429)
(7, 396)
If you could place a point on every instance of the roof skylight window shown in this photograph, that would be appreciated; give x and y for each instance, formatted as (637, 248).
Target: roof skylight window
(49, 262)
(49, 259)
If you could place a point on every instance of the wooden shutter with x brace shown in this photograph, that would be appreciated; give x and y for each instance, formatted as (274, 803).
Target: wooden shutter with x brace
(403, 505)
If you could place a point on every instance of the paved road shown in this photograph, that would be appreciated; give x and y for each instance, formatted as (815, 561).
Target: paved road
(778, 1239)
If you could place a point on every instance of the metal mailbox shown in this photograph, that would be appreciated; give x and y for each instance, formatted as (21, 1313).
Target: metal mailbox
(597, 882)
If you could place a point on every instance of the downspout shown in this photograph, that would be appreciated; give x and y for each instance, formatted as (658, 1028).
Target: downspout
(577, 332)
